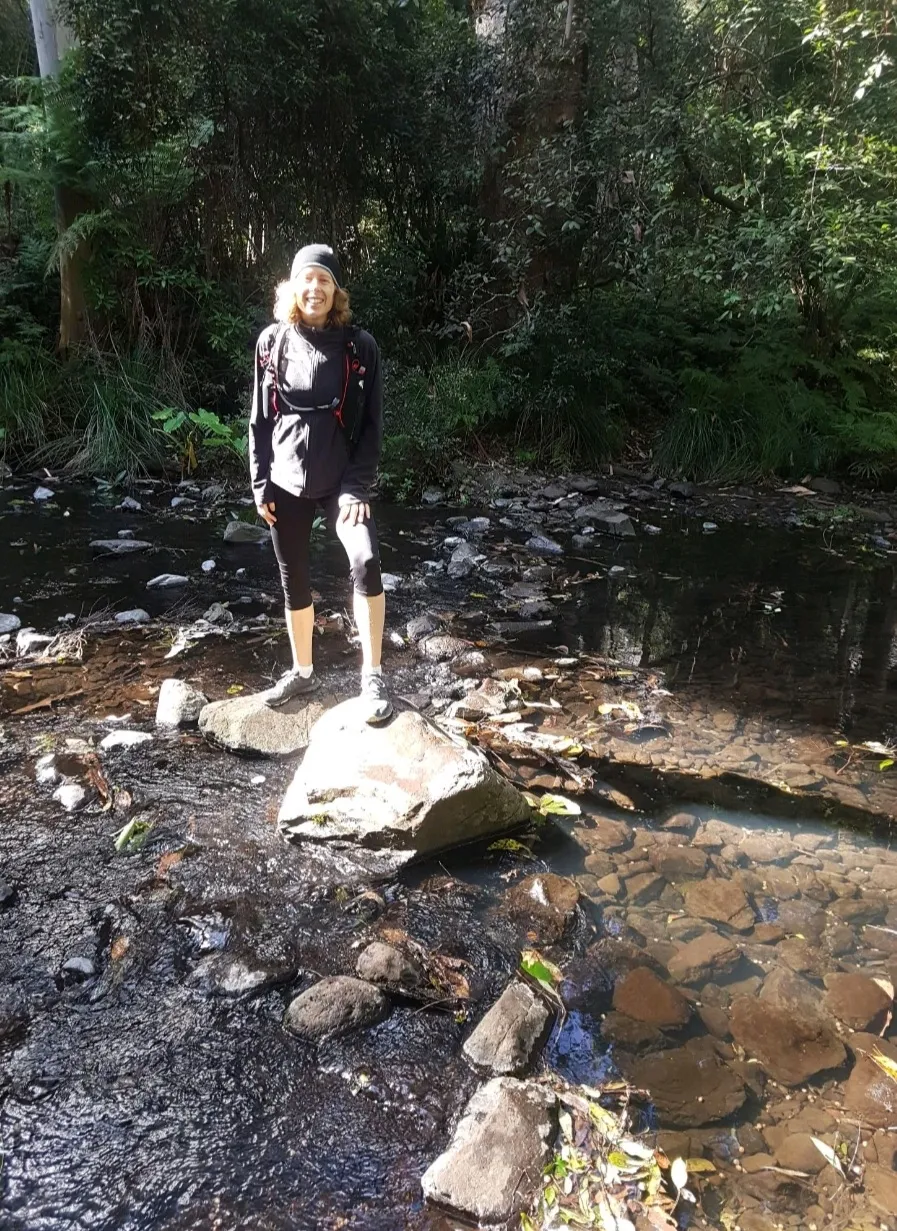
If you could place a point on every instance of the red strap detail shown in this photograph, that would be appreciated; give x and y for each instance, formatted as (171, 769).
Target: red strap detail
(339, 410)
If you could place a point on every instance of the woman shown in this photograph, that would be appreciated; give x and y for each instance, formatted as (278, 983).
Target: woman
(314, 440)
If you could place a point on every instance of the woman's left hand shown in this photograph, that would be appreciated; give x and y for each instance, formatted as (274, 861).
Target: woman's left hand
(355, 513)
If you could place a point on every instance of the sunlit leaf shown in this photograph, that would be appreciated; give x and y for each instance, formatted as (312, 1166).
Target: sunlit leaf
(885, 1063)
(886, 764)
(545, 973)
(558, 805)
(512, 847)
(828, 1154)
(697, 1165)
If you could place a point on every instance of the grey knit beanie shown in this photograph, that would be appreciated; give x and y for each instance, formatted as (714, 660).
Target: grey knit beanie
(317, 256)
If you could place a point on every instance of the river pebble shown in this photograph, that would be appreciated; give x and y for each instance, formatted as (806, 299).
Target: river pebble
(135, 615)
(124, 739)
(72, 796)
(167, 581)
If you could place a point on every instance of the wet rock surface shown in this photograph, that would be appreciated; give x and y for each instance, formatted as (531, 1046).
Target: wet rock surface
(494, 1162)
(335, 1006)
(690, 1085)
(507, 1038)
(790, 1048)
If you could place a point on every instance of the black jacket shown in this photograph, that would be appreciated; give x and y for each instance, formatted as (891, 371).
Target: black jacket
(295, 440)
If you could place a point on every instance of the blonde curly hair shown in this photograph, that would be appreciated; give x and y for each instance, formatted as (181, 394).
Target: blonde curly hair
(288, 312)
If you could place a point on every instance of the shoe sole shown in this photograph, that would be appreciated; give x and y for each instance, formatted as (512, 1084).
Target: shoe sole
(296, 696)
(377, 720)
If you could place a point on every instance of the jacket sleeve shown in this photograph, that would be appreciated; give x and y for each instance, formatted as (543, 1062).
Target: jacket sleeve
(261, 423)
(361, 473)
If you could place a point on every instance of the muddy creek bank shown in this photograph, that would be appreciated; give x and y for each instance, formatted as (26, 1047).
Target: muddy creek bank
(146, 1079)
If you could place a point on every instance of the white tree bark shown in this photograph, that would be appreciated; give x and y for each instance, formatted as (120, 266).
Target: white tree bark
(53, 38)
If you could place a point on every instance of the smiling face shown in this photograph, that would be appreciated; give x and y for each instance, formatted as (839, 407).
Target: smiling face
(315, 290)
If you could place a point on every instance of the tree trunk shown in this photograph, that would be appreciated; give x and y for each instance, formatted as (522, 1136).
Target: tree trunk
(53, 39)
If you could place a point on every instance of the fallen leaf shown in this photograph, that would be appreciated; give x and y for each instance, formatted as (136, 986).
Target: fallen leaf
(828, 1154)
(168, 861)
(698, 1165)
(119, 948)
(679, 1172)
(885, 1063)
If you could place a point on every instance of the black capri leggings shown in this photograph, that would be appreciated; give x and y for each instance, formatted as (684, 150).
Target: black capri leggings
(291, 536)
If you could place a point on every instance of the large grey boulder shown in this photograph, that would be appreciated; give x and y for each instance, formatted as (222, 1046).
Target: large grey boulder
(335, 1006)
(494, 1162)
(247, 724)
(180, 704)
(405, 786)
(9, 624)
(509, 1035)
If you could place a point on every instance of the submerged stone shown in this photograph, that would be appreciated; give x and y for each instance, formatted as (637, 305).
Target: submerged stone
(703, 958)
(644, 997)
(689, 1085)
(791, 1047)
(167, 581)
(549, 899)
(120, 546)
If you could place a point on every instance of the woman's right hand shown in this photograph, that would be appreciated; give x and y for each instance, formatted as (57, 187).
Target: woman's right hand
(266, 512)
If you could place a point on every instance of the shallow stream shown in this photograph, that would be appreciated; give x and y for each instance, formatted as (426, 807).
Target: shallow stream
(151, 1087)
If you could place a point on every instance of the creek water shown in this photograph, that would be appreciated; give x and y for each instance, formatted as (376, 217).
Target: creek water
(153, 1088)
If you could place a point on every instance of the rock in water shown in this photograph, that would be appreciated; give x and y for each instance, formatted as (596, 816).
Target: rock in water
(858, 1001)
(134, 615)
(180, 704)
(507, 1038)
(791, 1048)
(463, 561)
(120, 547)
(245, 532)
(645, 998)
(541, 545)
(9, 624)
(405, 786)
(247, 724)
(548, 899)
(689, 1085)
(42, 493)
(72, 796)
(495, 1159)
(335, 1006)
(124, 739)
(869, 1093)
(382, 963)
(166, 581)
